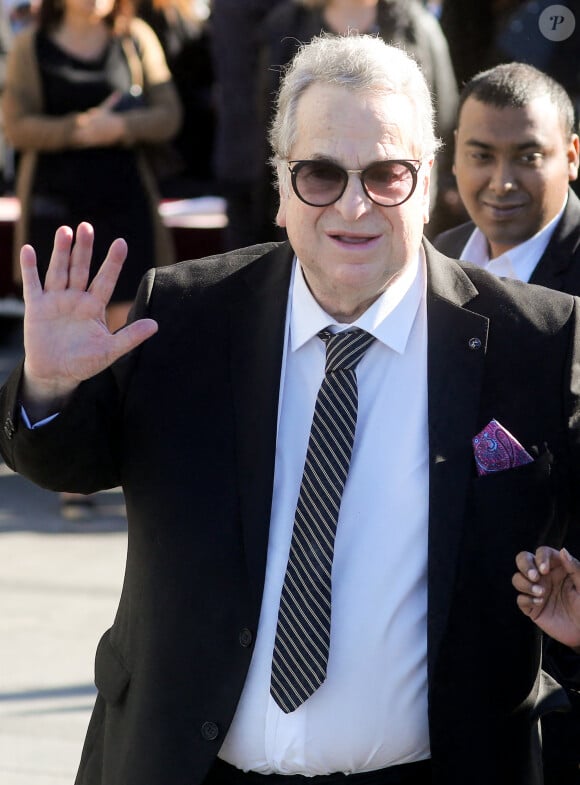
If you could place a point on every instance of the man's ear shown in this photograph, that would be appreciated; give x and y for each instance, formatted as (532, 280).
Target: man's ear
(281, 214)
(283, 178)
(454, 151)
(425, 184)
(573, 157)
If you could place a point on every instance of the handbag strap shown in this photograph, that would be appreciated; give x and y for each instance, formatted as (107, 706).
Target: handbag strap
(133, 61)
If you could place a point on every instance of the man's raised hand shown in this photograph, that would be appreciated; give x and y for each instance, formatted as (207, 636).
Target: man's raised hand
(66, 339)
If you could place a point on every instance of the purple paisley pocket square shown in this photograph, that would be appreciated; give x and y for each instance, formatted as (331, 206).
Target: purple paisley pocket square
(496, 450)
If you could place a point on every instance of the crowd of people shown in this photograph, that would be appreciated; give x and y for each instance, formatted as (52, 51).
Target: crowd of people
(226, 57)
(338, 385)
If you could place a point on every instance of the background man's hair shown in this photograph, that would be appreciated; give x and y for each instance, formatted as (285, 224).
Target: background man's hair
(515, 85)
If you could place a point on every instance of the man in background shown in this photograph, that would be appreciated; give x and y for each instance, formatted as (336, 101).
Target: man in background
(516, 153)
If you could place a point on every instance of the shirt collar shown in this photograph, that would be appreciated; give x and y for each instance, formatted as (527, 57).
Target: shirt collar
(390, 318)
(520, 261)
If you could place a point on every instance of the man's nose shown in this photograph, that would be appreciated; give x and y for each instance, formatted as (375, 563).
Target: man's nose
(503, 178)
(354, 202)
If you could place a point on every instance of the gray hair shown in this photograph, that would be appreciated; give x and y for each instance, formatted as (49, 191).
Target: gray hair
(359, 63)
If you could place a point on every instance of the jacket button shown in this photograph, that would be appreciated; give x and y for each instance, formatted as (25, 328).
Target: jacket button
(246, 638)
(9, 427)
(209, 731)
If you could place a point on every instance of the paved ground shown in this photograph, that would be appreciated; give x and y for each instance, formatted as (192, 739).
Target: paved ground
(59, 584)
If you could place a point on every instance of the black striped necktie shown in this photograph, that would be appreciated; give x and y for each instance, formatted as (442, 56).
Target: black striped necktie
(303, 631)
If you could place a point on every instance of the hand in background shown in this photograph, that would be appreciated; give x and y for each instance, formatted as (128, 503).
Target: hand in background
(99, 126)
(548, 586)
(66, 339)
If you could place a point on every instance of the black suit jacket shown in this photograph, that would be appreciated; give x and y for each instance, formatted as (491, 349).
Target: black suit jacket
(559, 265)
(187, 424)
(559, 269)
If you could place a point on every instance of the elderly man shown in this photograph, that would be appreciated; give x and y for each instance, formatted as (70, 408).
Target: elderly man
(308, 435)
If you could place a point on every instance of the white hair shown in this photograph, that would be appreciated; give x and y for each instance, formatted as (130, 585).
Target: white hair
(359, 63)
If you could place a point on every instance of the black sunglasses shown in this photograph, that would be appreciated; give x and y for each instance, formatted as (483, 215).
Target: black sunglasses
(387, 183)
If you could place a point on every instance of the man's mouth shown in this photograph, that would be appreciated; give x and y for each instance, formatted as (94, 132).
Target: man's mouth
(352, 239)
(503, 207)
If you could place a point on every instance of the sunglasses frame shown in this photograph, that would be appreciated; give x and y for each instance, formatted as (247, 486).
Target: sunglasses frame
(412, 164)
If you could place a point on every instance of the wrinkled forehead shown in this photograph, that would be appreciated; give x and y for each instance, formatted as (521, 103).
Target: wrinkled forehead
(335, 120)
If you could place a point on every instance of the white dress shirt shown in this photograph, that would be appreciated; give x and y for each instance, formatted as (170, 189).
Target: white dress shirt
(371, 712)
(520, 261)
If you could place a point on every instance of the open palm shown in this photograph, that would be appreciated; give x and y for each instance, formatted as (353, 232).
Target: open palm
(66, 338)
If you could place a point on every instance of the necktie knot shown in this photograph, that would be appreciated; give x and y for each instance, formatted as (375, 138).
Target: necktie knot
(345, 350)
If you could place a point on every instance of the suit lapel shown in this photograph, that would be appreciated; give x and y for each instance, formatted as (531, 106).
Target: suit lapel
(456, 354)
(257, 324)
(552, 269)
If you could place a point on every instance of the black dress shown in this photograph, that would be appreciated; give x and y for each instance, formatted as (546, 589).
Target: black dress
(101, 185)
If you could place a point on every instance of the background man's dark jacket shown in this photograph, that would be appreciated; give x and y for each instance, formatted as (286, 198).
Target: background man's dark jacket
(559, 265)
(558, 268)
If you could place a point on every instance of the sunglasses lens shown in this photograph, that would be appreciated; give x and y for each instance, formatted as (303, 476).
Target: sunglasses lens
(389, 182)
(319, 182)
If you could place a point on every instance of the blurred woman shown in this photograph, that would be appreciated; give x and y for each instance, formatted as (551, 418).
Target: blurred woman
(86, 89)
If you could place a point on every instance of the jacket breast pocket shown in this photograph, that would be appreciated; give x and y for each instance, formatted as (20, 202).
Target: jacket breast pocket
(523, 494)
(508, 512)
(111, 676)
